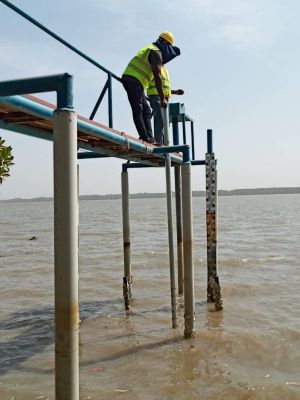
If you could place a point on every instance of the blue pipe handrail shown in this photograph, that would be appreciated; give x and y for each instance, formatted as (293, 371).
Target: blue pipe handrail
(108, 84)
(110, 75)
(182, 117)
(61, 83)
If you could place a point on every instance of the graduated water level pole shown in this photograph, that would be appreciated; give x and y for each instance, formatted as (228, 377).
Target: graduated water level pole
(170, 220)
(127, 278)
(213, 283)
(66, 255)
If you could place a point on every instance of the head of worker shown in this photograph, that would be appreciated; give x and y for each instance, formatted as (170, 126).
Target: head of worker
(165, 43)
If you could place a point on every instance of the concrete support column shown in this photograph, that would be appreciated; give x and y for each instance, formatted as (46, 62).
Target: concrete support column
(127, 279)
(66, 255)
(189, 296)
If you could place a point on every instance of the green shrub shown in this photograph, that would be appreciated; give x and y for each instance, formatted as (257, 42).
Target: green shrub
(6, 160)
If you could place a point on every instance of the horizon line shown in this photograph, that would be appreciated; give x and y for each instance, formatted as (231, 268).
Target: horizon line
(263, 190)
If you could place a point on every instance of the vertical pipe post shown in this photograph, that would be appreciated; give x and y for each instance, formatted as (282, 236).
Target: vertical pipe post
(189, 296)
(213, 283)
(127, 278)
(78, 216)
(66, 255)
(110, 106)
(183, 129)
(170, 224)
(193, 140)
(175, 130)
(178, 201)
(209, 141)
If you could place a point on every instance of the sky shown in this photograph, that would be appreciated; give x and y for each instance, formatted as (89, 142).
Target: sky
(239, 67)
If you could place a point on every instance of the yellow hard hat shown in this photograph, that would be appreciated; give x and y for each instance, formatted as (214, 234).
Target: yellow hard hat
(168, 36)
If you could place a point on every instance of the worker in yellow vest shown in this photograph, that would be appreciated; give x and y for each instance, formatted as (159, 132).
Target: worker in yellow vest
(140, 71)
(154, 100)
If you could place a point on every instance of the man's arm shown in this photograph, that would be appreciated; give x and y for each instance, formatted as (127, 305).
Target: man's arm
(156, 69)
(155, 59)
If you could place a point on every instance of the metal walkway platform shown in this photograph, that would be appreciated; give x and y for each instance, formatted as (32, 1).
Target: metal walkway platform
(32, 116)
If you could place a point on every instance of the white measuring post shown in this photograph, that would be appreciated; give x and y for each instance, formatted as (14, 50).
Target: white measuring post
(178, 197)
(66, 255)
(170, 222)
(189, 295)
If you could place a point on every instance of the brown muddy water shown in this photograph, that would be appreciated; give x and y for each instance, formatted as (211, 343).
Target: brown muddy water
(249, 351)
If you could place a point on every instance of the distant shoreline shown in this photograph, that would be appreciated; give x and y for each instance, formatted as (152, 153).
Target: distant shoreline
(235, 192)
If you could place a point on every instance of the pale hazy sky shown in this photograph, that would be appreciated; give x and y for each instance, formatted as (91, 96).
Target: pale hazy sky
(239, 67)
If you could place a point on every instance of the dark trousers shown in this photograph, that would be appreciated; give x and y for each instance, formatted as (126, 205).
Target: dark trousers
(141, 110)
(158, 118)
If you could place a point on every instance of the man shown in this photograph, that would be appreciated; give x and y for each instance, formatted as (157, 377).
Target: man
(141, 70)
(154, 100)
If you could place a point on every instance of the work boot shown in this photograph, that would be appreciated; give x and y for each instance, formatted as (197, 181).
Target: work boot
(151, 140)
(144, 138)
(148, 139)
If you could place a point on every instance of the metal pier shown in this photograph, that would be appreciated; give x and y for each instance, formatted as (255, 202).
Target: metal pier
(34, 117)
(76, 137)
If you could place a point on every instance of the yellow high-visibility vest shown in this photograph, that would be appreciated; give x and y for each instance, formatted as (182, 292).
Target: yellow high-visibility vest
(165, 81)
(139, 66)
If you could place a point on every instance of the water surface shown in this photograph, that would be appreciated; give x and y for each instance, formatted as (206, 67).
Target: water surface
(251, 350)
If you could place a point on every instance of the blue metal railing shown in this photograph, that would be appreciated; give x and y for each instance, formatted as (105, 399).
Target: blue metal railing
(179, 111)
(110, 75)
(61, 83)
(178, 115)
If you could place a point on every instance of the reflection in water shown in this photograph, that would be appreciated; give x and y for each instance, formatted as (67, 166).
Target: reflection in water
(214, 319)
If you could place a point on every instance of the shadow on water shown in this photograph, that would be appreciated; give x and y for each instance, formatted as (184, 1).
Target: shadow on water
(134, 350)
(38, 331)
(38, 334)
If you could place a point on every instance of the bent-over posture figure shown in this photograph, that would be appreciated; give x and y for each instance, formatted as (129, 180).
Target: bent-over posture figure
(141, 70)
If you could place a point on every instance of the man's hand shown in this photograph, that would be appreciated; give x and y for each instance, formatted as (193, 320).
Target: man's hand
(164, 103)
(179, 92)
